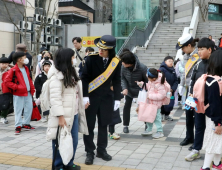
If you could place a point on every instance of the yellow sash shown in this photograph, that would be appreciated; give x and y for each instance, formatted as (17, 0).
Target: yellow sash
(98, 81)
(190, 63)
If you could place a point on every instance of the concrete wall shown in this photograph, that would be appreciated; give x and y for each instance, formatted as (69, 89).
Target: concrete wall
(84, 30)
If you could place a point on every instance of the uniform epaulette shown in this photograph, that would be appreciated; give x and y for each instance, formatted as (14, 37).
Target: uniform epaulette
(93, 53)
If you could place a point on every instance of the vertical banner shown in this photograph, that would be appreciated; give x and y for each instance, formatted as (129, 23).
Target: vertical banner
(88, 41)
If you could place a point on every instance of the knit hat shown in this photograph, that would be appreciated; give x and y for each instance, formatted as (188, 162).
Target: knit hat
(4, 60)
(168, 58)
(43, 48)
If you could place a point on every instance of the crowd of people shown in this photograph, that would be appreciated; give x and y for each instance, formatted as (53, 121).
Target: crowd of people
(83, 86)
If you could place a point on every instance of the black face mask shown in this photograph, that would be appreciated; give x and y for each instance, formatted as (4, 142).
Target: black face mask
(46, 58)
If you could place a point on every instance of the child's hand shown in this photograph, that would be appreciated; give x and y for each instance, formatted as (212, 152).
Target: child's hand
(139, 83)
(137, 110)
(218, 130)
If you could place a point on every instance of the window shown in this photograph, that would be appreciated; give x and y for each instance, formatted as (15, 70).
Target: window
(215, 12)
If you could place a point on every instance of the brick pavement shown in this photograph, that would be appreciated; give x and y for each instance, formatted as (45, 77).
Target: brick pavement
(132, 151)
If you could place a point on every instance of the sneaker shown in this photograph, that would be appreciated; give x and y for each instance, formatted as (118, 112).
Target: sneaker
(162, 118)
(134, 100)
(193, 155)
(18, 130)
(205, 169)
(4, 120)
(114, 136)
(74, 167)
(158, 135)
(146, 133)
(44, 119)
(168, 118)
(28, 127)
(217, 167)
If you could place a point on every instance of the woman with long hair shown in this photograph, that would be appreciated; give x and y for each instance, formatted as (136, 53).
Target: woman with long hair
(67, 108)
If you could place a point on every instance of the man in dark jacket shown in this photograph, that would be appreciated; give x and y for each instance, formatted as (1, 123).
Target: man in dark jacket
(168, 70)
(205, 48)
(22, 47)
(99, 71)
(132, 71)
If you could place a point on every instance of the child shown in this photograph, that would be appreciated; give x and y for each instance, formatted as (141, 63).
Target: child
(191, 58)
(67, 108)
(212, 143)
(4, 67)
(81, 65)
(23, 90)
(39, 81)
(156, 94)
(167, 68)
(205, 48)
(46, 55)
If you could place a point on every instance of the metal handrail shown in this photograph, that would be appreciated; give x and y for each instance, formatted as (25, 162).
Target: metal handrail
(145, 32)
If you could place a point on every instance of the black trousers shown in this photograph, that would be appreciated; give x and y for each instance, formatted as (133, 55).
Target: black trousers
(126, 111)
(163, 112)
(200, 126)
(102, 139)
(111, 129)
(190, 116)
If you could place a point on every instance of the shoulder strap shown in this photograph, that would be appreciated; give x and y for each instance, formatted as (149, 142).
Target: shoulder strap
(144, 86)
(78, 55)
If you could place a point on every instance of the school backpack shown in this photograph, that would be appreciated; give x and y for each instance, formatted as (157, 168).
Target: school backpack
(45, 96)
(199, 89)
(166, 100)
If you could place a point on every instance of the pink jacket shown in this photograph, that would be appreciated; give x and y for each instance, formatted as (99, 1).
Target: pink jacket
(156, 92)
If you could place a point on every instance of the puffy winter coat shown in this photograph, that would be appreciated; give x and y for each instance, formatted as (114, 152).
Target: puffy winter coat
(129, 78)
(170, 74)
(63, 103)
(156, 92)
(3, 74)
(19, 87)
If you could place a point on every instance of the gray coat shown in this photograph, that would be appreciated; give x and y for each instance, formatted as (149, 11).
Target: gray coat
(128, 78)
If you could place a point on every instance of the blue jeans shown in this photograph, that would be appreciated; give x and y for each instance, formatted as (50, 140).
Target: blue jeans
(157, 122)
(20, 103)
(75, 129)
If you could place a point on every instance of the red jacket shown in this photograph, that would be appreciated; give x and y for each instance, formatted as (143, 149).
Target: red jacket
(19, 86)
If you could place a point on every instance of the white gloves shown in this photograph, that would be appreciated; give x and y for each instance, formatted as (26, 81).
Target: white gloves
(116, 105)
(37, 102)
(180, 90)
(85, 100)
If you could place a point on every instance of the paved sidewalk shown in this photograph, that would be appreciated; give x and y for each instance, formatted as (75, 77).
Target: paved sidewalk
(132, 151)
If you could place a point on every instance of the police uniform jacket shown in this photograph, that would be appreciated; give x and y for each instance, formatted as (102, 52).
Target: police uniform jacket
(101, 100)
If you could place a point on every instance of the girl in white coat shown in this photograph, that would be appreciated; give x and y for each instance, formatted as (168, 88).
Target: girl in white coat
(67, 108)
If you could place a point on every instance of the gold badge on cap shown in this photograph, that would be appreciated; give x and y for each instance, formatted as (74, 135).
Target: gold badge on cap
(180, 44)
(103, 41)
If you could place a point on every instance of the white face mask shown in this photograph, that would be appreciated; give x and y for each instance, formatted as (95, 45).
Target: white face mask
(74, 62)
(26, 61)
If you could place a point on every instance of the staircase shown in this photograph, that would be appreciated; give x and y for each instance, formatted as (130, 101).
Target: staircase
(213, 28)
(162, 44)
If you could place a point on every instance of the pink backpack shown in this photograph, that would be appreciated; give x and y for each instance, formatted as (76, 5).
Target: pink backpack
(199, 89)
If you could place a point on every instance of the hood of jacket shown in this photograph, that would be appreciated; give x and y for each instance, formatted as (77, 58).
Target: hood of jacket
(54, 72)
(170, 69)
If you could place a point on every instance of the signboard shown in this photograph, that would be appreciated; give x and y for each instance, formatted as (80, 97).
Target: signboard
(213, 8)
(18, 1)
(88, 41)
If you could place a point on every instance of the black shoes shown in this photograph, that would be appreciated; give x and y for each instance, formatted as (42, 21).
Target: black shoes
(89, 159)
(74, 167)
(186, 142)
(191, 147)
(125, 129)
(104, 155)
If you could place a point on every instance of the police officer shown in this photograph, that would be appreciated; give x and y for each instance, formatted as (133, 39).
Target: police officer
(99, 71)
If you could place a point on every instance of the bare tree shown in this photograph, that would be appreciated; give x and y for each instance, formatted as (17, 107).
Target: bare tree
(203, 5)
(46, 5)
